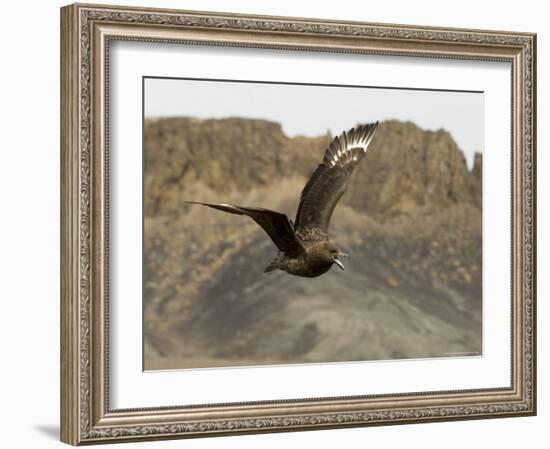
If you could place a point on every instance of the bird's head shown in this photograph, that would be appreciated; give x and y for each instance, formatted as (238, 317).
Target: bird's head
(333, 254)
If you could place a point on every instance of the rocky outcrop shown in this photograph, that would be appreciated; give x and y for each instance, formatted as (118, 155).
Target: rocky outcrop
(405, 169)
(223, 155)
(408, 168)
(476, 180)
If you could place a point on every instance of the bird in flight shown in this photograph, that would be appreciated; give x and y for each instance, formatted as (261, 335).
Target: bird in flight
(304, 247)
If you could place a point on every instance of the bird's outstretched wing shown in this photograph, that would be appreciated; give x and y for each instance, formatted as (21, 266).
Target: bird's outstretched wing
(276, 225)
(329, 181)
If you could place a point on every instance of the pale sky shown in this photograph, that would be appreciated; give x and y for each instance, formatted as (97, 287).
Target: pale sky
(312, 110)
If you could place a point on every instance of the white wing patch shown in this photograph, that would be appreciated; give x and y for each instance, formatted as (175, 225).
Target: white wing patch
(340, 151)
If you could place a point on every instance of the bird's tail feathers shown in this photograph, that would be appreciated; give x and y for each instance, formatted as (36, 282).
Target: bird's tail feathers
(273, 265)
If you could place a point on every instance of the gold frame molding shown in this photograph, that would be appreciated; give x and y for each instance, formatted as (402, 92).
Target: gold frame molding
(86, 31)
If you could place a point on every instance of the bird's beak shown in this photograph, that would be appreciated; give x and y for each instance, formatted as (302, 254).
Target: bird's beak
(343, 255)
(340, 264)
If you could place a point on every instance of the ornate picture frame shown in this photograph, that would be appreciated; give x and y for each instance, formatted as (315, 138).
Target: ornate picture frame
(87, 31)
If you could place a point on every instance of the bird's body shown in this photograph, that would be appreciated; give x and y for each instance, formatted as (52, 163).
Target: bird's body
(304, 247)
(315, 261)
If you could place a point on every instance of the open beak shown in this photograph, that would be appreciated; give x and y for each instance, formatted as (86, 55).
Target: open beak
(340, 264)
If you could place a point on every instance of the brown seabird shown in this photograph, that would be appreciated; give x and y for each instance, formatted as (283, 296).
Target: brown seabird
(304, 247)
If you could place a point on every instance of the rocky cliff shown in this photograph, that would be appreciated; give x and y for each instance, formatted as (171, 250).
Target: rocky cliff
(406, 169)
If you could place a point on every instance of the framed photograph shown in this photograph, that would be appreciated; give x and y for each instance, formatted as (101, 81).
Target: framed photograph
(279, 224)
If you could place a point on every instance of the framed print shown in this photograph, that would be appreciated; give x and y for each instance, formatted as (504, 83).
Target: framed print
(278, 224)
